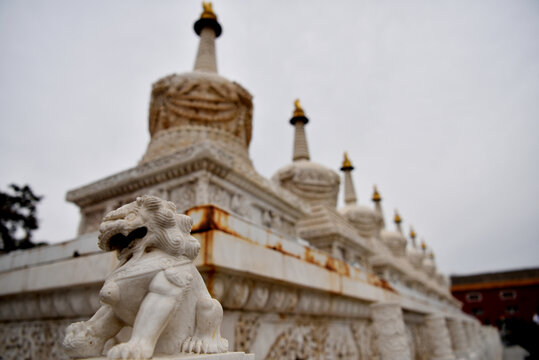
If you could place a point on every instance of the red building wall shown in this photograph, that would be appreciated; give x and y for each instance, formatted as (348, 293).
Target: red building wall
(490, 302)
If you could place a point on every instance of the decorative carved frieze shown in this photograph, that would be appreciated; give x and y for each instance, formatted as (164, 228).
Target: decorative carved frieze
(64, 303)
(243, 293)
(205, 101)
(197, 175)
(245, 331)
(314, 340)
(363, 333)
(417, 337)
(184, 195)
(33, 340)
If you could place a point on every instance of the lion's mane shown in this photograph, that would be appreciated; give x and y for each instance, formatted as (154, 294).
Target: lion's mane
(166, 230)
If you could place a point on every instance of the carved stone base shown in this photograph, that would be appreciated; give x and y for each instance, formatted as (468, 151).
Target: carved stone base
(440, 342)
(223, 356)
(390, 331)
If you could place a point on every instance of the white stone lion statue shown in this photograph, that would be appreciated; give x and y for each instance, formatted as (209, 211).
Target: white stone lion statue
(156, 289)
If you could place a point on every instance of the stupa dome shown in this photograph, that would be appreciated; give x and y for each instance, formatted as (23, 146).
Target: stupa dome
(429, 266)
(364, 219)
(415, 256)
(310, 181)
(188, 108)
(395, 241)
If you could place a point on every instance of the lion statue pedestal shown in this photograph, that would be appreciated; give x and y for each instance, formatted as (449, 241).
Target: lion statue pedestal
(155, 295)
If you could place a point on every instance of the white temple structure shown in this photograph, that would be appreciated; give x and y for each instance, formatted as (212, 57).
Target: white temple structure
(298, 278)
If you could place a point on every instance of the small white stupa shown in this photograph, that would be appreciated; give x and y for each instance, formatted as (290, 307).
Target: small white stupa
(377, 200)
(415, 255)
(310, 181)
(395, 240)
(363, 218)
(428, 261)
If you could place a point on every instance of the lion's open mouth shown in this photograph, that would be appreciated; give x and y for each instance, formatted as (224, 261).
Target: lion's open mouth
(120, 241)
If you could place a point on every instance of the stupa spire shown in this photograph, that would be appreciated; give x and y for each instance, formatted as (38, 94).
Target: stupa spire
(301, 151)
(398, 221)
(412, 236)
(208, 29)
(349, 191)
(377, 199)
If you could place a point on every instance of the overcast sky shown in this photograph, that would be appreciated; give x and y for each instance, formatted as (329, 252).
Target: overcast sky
(436, 102)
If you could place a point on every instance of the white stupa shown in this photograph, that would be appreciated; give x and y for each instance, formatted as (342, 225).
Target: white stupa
(415, 255)
(310, 181)
(395, 240)
(362, 217)
(200, 105)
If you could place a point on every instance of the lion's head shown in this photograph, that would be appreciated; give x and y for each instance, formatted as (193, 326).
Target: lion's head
(145, 224)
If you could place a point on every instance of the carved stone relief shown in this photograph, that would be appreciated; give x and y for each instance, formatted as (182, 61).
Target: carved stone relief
(211, 101)
(184, 196)
(439, 339)
(419, 346)
(33, 340)
(245, 331)
(314, 339)
(203, 189)
(220, 196)
(267, 218)
(259, 296)
(390, 331)
(365, 340)
(458, 337)
(272, 219)
(239, 205)
(71, 302)
(411, 342)
(182, 104)
(340, 343)
(237, 292)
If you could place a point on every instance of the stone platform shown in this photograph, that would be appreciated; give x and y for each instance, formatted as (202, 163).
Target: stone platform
(223, 356)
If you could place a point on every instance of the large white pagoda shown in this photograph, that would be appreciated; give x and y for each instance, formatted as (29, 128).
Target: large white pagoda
(298, 278)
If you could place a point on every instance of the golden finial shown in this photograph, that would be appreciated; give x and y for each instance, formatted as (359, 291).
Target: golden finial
(208, 11)
(376, 195)
(397, 218)
(423, 245)
(412, 232)
(431, 255)
(346, 164)
(298, 111)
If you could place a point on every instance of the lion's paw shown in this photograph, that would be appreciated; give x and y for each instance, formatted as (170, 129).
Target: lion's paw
(80, 341)
(204, 345)
(132, 350)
